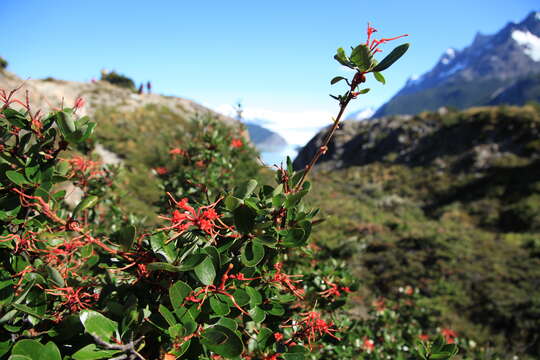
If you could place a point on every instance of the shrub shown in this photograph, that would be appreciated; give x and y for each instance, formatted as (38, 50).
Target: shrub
(119, 80)
(3, 63)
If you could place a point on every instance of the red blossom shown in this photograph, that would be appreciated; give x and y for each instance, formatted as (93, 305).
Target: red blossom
(161, 170)
(368, 345)
(222, 289)
(205, 218)
(311, 327)
(278, 336)
(237, 143)
(423, 337)
(79, 103)
(449, 335)
(177, 151)
(75, 299)
(286, 281)
(373, 44)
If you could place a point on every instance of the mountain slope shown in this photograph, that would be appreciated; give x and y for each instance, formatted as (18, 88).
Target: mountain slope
(48, 93)
(264, 139)
(475, 75)
(445, 202)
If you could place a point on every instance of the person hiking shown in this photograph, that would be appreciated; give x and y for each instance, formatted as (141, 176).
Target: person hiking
(149, 87)
(141, 88)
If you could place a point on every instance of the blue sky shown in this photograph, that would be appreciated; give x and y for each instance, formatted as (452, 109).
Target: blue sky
(274, 56)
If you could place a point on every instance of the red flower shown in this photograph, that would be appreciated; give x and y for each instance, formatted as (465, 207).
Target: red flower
(373, 44)
(312, 325)
(177, 151)
(236, 143)
(278, 336)
(423, 337)
(449, 335)
(161, 170)
(368, 345)
(79, 103)
(409, 290)
(205, 218)
(286, 281)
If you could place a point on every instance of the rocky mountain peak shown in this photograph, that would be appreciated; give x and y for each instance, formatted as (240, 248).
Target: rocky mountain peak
(476, 74)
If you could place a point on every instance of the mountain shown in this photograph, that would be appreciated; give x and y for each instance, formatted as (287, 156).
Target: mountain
(361, 114)
(264, 139)
(484, 73)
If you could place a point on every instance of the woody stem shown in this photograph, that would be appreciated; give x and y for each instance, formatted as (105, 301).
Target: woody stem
(322, 149)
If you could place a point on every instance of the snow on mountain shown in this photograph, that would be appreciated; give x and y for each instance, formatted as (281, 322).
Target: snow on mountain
(529, 42)
(448, 56)
(360, 114)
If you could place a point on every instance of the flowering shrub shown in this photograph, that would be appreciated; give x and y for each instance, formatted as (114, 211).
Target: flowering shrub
(221, 278)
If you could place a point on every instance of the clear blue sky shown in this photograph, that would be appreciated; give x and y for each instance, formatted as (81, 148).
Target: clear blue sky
(275, 56)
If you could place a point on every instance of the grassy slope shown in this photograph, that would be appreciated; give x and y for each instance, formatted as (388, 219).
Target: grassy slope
(468, 238)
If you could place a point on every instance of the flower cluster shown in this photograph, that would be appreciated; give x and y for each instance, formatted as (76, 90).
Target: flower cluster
(204, 218)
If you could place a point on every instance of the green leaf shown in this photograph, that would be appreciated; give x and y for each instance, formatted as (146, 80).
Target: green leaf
(98, 325)
(245, 189)
(27, 347)
(51, 352)
(252, 253)
(219, 307)
(88, 202)
(191, 261)
(29, 310)
(34, 350)
(293, 356)
(163, 266)
(257, 314)
(391, 58)
(337, 79)
(232, 202)
(157, 242)
(360, 57)
(255, 297)
(16, 178)
(244, 219)
(5, 346)
(206, 272)
(379, 77)
(125, 236)
(342, 58)
(167, 315)
(228, 323)
(91, 352)
(263, 336)
(55, 276)
(441, 355)
(363, 91)
(294, 238)
(241, 297)
(223, 341)
(177, 293)
(65, 122)
(15, 118)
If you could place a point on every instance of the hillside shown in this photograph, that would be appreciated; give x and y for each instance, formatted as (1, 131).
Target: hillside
(448, 202)
(130, 132)
(480, 74)
(49, 93)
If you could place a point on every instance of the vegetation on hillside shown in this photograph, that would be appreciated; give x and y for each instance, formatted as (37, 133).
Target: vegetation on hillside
(463, 231)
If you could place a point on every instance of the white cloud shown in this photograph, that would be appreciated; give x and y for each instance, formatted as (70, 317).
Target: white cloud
(297, 127)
